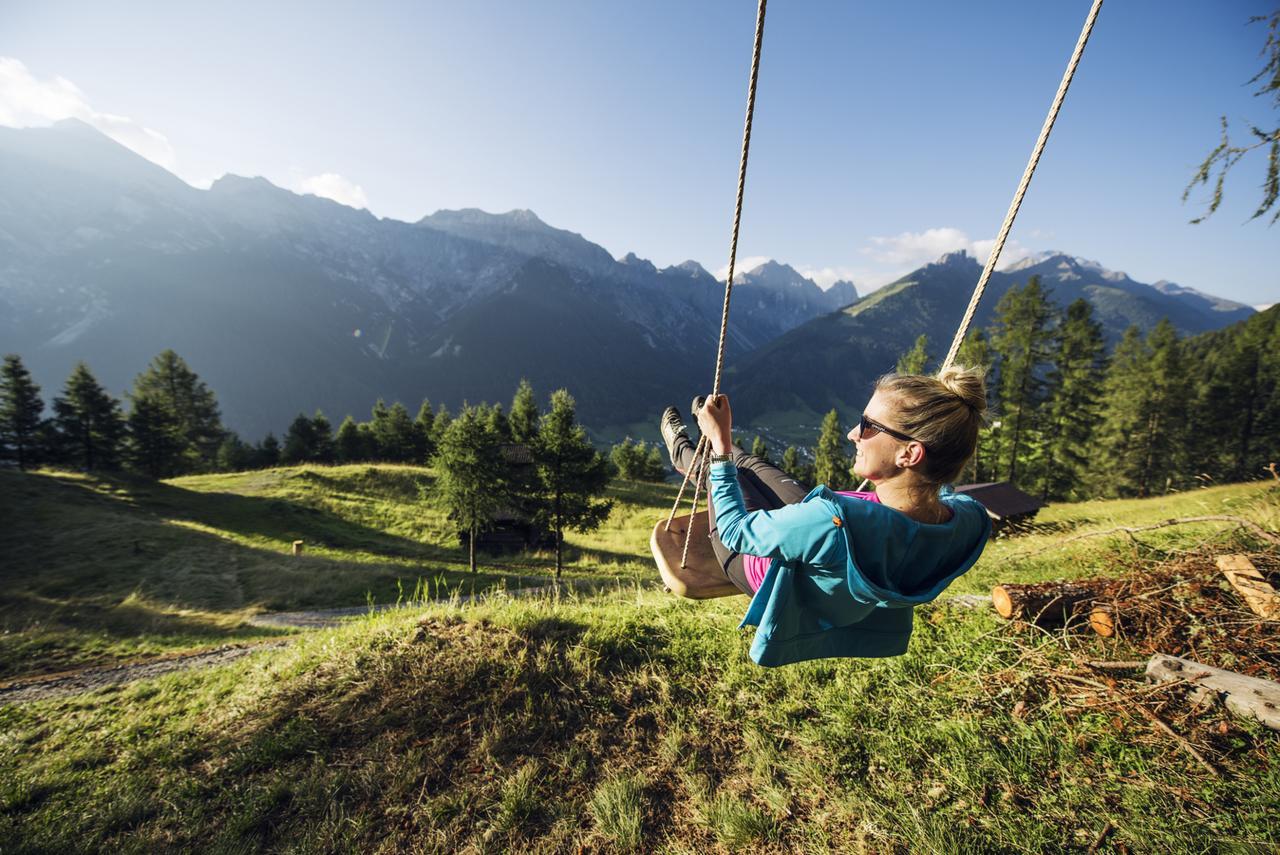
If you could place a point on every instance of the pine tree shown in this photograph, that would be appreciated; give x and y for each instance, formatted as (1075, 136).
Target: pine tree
(637, 462)
(791, 461)
(379, 434)
(349, 444)
(572, 473)
(440, 426)
(423, 445)
(760, 449)
(1021, 341)
(1161, 438)
(524, 414)
(974, 352)
(1124, 402)
(299, 441)
(498, 423)
(472, 475)
(324, 450)
(234, 455)
(1074, 391)
(88, 421)
(20, 412)
(915, 359)
(831, 463)
(268, 451)
(156, 443)
(171, 383)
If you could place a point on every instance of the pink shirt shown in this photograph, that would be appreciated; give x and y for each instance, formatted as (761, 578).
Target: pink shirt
(755, 566)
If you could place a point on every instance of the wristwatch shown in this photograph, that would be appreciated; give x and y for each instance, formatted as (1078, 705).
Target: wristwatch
(719, 458)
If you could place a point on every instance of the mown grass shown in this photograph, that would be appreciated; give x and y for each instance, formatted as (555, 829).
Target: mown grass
(631, 721)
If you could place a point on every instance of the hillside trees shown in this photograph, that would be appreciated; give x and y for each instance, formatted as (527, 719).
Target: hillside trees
(636, 461)
(156, 444)
(473, 483)
(309, 440)
(831, 463)
(975, 352)
(90, 429)
(20, 412)
(915, 359)
(169, 383)
(1073, 388)
(571, 474)
(524, 416)
(1021, 339)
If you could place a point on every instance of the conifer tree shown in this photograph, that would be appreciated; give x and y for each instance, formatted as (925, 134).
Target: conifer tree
(156, 443)
(915, 359)
(498, 423)
(1074, 392)
(20, 412)
(88, 421)
(349, 443)
(974, 352)
(791, 461)
(1124, 401)
(171, 383)
(1021, 341)
(397, 436)
(637, 462)
(571, 472)
(440, 425)
(234, 455)
(1162, 435)
(524, 414)
(423, 445)
(299, 441)
(472, 481)
(268, 451)
(831, 462)
(379, 432)
(322, 433)
(760, 449)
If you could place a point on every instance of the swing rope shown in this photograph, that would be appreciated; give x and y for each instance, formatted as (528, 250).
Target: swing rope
(703, 448)
(1022, 186)
(697, 469)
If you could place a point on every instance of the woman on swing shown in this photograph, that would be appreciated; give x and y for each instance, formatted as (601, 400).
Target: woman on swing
(837, 573)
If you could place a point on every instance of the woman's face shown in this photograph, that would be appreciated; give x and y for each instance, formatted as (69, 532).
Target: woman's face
(881, 455)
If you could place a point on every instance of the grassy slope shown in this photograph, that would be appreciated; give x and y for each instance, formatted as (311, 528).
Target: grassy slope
(94, 570)
(632, 720)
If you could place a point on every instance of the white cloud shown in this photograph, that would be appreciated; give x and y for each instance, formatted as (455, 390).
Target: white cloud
(742, 265)
(26, 101)
(828, 276)
(331, 185)
(900, 254)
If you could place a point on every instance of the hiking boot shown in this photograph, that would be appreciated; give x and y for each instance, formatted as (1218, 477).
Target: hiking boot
(698, 402)
(673, 431)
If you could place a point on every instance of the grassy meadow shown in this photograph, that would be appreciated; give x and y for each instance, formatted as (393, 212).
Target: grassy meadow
(620, 721)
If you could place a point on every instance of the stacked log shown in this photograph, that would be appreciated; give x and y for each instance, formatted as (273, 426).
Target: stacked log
(1047, 604)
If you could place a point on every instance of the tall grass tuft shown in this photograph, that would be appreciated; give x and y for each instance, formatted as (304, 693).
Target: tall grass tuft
(617, 805)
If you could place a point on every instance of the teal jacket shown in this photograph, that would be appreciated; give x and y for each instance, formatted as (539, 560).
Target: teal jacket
(845, 572)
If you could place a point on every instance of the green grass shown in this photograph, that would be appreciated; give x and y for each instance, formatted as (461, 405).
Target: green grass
(630, 720)
(97, 570)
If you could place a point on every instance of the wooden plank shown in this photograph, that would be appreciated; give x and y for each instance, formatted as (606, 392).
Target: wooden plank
(1248, 582)
(701, 578)
(1249, 697)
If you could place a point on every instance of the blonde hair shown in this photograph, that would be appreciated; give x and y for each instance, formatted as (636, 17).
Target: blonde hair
(943, 412)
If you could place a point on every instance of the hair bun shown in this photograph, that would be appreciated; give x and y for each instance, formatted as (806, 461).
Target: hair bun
(967, 384)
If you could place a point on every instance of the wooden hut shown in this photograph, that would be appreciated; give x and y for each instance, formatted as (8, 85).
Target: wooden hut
(1006, 504)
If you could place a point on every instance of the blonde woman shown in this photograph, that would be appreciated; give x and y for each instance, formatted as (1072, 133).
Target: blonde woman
(838, 573)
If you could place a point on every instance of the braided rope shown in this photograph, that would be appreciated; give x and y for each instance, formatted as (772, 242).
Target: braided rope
(704, 447)
(1022, 186)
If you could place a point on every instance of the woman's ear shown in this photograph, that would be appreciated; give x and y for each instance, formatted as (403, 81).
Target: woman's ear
(910, 455)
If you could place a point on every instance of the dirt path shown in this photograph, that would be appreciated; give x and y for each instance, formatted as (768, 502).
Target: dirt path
(46, 686)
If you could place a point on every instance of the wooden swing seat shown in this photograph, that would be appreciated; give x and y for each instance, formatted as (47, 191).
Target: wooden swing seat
(701, 578)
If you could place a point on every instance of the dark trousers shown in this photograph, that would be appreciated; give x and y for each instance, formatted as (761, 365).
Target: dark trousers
(765, 487)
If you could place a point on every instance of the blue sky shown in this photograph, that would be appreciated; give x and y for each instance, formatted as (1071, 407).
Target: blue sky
(886, 133)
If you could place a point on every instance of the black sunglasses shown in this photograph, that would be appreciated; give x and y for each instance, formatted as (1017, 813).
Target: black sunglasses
(868, 428)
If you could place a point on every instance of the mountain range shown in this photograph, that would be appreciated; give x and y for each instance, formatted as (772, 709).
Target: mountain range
(285, 303)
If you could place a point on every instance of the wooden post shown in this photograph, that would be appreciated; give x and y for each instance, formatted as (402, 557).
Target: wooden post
(1249, 697)
(1248, 582)
(297, 547)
